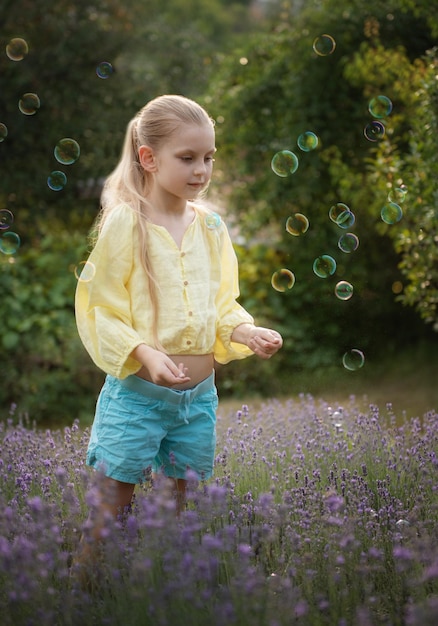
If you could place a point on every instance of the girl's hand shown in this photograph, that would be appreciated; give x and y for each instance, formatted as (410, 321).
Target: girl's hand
(264, 342)
(162, 370)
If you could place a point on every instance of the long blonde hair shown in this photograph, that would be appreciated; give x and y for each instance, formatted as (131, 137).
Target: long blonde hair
(130, 183)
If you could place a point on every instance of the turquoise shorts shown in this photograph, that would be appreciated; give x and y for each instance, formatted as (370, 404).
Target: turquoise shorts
(141, 427)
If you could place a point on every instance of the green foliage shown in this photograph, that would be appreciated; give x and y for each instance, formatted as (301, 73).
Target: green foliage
(265, 96)
(44, 368)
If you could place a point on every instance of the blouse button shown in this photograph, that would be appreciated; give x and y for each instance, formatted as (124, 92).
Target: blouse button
(190, 313)
(189, 343)
(186, 282)
(183, 254)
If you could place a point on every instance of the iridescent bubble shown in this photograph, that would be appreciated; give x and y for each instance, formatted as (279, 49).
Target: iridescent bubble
(6, 219)
(56, 180)
(212, 221)
(282, 280)
(3, 132)
(17, 49)
(349, 242)
(324, 266)
(284, 163)
(353, 359)
(29, 103)
(380, 106)
(341, 215)
(324, 45)
(67, 151)
(297, 224)
(9, 242)
(391, 213)
(398, 195)
(374, 131)
(85, 271)
(104, 69)
(307, 141)
(343, 290)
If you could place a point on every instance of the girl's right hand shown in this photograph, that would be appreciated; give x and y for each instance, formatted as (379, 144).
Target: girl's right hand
(160, 368)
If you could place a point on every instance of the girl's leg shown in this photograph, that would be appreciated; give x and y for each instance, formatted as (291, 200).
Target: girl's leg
(113, 499)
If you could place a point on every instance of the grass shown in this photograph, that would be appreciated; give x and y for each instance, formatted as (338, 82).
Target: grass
(407, 380)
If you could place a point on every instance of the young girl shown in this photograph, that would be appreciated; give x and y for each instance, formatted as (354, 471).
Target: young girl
(158, 306)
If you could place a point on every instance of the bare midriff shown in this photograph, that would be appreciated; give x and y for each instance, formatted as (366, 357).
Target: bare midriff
(199, 367)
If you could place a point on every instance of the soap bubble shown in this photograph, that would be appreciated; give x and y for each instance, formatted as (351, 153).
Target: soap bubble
(29, 103)
(353, 359)
(9, 242)
(212, 221)
(297, 224)
(17, 49)
(104, 70)
(85, 271)
(398, 194)
(3, 132)
(6, 219)
(341, 215)
(349, 242)
(324, 45)
(391, 213)
(324, 266)
(374, 131)
(380, 106)
(344, 290)
(307, 141)
(284, 163)
(283, 280)
(56, 180)
(67, 151)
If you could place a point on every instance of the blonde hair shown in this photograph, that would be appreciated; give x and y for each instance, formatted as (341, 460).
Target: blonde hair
(130, 183)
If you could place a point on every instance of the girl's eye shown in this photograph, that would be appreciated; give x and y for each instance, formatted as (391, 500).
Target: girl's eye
(186, 158)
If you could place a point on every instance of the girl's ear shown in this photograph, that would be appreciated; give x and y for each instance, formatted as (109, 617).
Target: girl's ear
(147, 158)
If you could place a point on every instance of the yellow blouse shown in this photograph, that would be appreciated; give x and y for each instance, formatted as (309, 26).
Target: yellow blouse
(197, 291)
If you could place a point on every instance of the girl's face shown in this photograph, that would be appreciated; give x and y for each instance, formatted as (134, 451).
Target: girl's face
(184, 164)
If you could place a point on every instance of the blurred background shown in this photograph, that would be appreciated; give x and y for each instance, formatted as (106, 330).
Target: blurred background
(268, 72)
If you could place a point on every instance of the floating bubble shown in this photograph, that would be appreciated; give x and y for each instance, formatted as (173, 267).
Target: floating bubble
(353, 359)
(307, 141)
(283, 280)
(349, 242)
(344, 290)
(391, 213)
(3, 132)
(212, 221)
(398, 195)
(297, 224)
(67, 151)
(324, 266)
(85, 271)
(284, 163)
(29, 103)
(104, 69)
(9, 242)
(341, 215)
(397, 286)
(17, 49)
(380, 106)
(374, 131)
(57, 180)
(324, 45)
(6, 219)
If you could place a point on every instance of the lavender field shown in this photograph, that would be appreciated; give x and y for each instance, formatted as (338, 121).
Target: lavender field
(317, 515)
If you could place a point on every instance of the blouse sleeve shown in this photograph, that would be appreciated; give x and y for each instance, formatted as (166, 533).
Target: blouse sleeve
(230, 313)
(102, 302)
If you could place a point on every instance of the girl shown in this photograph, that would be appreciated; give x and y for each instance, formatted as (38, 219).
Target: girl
(159, 306)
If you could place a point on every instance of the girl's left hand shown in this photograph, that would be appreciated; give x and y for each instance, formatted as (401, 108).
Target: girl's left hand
(264, 342)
